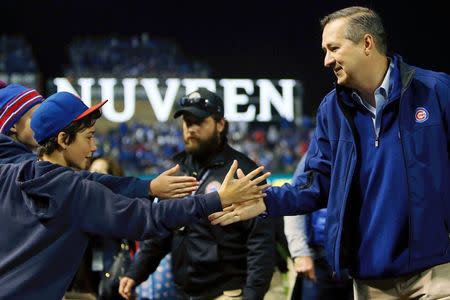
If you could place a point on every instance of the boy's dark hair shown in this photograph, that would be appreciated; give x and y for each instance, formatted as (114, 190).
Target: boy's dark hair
(51, 144)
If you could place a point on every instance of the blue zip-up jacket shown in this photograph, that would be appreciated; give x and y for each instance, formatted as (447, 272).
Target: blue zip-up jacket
(332, 159)
(14, 152)
(47, 213)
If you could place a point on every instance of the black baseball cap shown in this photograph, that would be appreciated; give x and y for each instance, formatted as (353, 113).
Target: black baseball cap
(201, 104)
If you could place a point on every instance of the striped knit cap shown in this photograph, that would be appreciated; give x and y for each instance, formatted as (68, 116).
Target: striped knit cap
(15, 101)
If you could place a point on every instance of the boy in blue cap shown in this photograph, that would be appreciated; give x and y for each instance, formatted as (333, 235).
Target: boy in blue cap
(49, 211)
(17, 144)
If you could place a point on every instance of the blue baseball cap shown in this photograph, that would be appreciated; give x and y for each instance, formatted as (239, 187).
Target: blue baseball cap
(58, 112)
(15, 101)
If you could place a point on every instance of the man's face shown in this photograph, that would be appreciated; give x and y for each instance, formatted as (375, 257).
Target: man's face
(201, 136)
(346, 58)
(22, 129)
(78, 154)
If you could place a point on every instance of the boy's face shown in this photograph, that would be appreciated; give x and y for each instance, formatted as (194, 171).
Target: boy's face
(79, 153)
(22, 129)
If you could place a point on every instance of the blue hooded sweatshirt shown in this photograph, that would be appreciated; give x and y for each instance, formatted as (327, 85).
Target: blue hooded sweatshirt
(47, 213)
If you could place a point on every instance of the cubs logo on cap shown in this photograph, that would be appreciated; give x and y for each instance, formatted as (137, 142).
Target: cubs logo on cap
(421, 114)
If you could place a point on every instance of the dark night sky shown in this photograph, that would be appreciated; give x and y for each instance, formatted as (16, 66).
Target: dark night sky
(258, 39)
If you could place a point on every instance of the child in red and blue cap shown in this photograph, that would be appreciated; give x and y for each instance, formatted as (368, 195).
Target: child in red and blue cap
(17, 104)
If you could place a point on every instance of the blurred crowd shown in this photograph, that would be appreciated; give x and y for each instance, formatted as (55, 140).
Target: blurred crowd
(148, 149)
(16, 55)
(131, 56)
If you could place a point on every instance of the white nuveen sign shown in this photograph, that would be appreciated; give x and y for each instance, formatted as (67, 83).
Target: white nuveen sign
(162, 98)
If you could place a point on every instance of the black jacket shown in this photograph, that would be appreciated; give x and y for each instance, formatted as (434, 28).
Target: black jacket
(207, 259)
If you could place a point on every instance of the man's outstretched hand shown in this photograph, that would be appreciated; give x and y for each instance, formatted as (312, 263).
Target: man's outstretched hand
(243, 189)
(238, 212)
(242, 198)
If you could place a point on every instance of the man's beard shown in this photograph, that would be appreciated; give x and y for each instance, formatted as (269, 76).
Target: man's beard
(205, 148)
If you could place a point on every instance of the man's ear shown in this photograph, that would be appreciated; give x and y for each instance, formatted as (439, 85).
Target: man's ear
(221, 125)
(62, 140)
(13, 129)
(369, 43)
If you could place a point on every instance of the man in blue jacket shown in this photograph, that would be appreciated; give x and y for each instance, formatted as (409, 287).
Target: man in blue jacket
(379, 161)
(49, 211)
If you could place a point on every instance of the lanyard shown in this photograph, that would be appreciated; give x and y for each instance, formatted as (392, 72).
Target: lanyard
(202, 180)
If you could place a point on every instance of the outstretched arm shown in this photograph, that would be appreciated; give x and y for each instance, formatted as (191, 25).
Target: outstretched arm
(97, 209)
(166, 185)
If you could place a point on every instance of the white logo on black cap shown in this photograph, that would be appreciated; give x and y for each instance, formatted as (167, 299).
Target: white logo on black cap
(194, 95)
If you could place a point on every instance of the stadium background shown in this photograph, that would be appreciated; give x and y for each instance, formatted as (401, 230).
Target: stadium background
(44, 40)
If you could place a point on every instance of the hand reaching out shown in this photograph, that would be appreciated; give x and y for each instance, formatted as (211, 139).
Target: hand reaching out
(168, 185)
(245, 188)
(238, 212)
(248, 209)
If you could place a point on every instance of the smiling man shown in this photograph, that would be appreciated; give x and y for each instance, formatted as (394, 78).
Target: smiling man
(379, 161)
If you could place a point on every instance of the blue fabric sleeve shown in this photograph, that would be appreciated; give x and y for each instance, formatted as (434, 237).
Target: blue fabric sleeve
(127, 186)
(309, 191)
(98, 210)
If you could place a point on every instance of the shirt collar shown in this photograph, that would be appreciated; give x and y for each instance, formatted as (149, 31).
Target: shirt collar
(383, 89)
